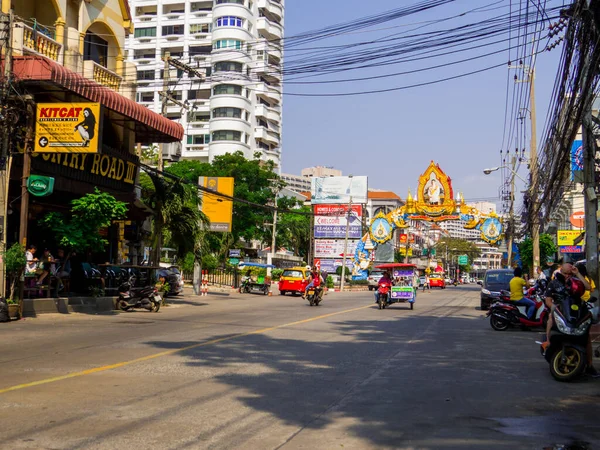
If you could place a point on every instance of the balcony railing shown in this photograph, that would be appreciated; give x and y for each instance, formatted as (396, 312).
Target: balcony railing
(102, 75)
(37, 42)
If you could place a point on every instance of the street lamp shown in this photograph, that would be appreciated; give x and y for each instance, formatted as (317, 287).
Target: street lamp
(494, 169)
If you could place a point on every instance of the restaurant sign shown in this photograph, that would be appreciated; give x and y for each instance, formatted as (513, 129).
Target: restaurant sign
(40, 186)
(67, 128)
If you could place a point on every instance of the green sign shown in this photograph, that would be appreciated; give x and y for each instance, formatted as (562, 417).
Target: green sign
(40, 186)
(234, 261)
(463, 260)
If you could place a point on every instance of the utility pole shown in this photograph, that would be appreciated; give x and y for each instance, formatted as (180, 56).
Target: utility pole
(535, 225)
(271, 255)
(6, 22)
(342, 282)
(511, 212)
(165, 100)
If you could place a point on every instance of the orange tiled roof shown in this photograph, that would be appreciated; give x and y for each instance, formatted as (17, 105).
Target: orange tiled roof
(383, 195)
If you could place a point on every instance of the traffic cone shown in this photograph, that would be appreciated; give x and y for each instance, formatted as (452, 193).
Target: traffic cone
(270, 294)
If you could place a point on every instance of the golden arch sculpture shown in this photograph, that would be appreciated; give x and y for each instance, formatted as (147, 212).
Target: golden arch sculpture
(434, 201)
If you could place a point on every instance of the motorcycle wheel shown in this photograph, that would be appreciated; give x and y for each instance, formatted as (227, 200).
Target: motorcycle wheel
(123, 305)
(498, 324)
(568, 369)
(155, 307)
(381, 303)
(311, 302)
(412, 306)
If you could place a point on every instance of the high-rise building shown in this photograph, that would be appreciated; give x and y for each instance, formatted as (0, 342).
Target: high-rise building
(236, 46)
(302, 183)
(321, 171)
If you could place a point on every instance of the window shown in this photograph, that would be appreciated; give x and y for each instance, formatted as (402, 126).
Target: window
(228, 112)
(201, 139)
(229, 21)
(145, 32)
(145, 96)
(227, 89)
(200, 117)
(237, 2)
(172, 29)
(229, 66)
(145, 75)
(95, 49)
(197, 28)
(227, 135)
(227, 43)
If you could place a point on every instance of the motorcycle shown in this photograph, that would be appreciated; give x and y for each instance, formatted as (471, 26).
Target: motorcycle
(245, 286)
(314, 296)
(567, 352)
(505, 313)
(146, 297)
(383, 292)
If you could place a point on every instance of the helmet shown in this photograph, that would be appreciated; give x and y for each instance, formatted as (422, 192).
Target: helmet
(575, 287)
(308, 268)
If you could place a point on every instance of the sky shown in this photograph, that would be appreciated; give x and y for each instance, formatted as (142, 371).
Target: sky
(392, 137)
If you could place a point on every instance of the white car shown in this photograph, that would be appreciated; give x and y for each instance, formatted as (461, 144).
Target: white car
(374, 278)
(448, 280)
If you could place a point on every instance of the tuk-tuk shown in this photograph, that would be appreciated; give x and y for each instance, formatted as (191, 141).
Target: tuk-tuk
(262, 284)
(405, 284)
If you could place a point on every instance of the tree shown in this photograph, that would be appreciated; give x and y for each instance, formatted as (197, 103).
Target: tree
(81, 230)
(547, 249)
(293, 230)
(14, 264)
(455, 246)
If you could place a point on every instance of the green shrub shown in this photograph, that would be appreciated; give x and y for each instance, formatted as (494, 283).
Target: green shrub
(276, 274)
(358, 282)
(329, 282)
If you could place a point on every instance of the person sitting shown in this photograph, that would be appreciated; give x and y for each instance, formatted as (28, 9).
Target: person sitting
(590, 370)
(32, 261)
(64, 272)
(517, 284)
(314, 280)
(385, 279)
(46, 263)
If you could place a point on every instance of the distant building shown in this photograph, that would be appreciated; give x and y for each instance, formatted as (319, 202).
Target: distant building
(321, 171)
(301, 183)
(484, 207)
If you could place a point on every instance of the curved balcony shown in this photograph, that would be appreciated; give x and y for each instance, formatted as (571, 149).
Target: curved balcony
(240, 34)
(268, 113)
(271, 8)
(218, 148)
(229, 123)
(267, 136)
(268, 93)
(231, 9)
(272, 31)
(229, 101)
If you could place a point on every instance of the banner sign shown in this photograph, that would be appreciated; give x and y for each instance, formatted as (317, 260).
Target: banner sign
(402, 292)
(235, 253)
(67, 128)
(334, 248)
(331, 221)
(338, 190)
(571, 249)
(577, 161)
(331, 265)
(218, 208)
(402, 273)
(567, 237)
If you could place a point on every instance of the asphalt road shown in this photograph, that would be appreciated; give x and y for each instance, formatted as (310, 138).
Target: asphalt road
(257, 372)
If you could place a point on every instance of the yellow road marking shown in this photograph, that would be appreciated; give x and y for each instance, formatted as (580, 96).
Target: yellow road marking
(170, 352)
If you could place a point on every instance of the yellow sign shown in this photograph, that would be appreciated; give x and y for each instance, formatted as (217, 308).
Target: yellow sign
(67, 128)
(217, 208)
(567, 237)
(402, 251)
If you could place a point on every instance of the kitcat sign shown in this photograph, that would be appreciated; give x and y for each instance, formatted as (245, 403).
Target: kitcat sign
(105, 166)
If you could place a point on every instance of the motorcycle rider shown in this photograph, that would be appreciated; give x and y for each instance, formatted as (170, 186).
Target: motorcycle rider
(591, 370)
(385, 279)
(557, 290)
(315, 281)
(517, 284)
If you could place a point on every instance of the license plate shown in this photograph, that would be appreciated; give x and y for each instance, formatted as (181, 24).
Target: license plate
(292, 282)
(311, 292)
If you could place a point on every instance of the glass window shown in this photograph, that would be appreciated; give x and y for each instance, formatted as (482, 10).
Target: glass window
(145, 32)
(145, 75)
(172, 29)
(198, 139)
(199, 28)
(227, 135)
(229, 21)
(228, 112)
(229, 66)
(227, 89)
(237, 2)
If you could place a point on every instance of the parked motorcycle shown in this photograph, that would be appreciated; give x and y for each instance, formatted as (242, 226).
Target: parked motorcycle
(505, 313)
(567, 352)
(383, 291)
(130, 298)
(314, 296)
(245, 286)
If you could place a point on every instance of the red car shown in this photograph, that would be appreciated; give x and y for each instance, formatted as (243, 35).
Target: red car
(437, 280)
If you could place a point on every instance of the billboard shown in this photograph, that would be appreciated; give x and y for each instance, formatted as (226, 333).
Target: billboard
(334, 248)
(567, 237)
(331, 221)
(577, 161)
(331, 265)
(338, 190)
(67, 128)
(217, 208)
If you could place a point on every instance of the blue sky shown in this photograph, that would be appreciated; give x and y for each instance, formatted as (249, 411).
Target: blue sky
(392, 137)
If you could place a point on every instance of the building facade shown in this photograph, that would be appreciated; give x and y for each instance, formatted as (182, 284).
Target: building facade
(235, 45)
(302, 183)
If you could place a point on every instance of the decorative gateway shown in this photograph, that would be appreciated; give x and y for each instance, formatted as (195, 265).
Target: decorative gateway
(434, 202)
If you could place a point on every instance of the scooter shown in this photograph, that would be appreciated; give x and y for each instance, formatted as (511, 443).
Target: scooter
(383, 292)
(314, 296)
(146, 297)
(567, 352)
(505, 313)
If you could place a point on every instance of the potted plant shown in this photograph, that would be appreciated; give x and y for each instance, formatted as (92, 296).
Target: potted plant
(14, 263)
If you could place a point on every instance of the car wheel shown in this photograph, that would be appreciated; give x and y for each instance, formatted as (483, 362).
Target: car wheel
(281, 292)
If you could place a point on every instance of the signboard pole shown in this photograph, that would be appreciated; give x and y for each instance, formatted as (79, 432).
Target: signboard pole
(591, 199)
(349, 212)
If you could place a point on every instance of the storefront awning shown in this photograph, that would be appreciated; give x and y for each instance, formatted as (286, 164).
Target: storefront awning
(150, 126)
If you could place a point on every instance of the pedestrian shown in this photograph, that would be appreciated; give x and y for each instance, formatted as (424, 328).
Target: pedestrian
(541, 274)
(426, 284)
(587, 295)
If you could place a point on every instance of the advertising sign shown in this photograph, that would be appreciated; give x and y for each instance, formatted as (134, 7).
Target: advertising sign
(571, 249)
(235, 253)
(67, 128)
(577, 219)
(402, 292)
(334, 248)
(398, 273)
(40, 186)
(331, 221)
(217, 208)
(577, 161)
(567, 237)
(331, 265)
(338, 190)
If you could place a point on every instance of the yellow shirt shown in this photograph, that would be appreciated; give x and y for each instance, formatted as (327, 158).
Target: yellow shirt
(587, 294)
(516, 288)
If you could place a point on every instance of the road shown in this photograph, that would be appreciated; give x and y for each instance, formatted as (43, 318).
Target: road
(256, 372)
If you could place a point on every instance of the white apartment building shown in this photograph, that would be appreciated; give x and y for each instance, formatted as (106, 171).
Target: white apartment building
(321, 171)
(302, 183)
(235, 45)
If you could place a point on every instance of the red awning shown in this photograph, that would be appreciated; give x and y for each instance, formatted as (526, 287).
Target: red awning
(149, 126)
